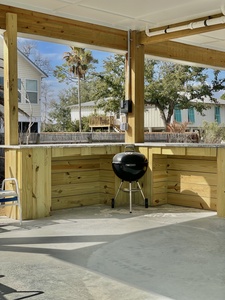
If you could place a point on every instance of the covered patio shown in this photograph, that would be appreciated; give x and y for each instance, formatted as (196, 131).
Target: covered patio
(190, 33)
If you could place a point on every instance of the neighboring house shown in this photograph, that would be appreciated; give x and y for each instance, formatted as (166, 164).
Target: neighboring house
(29, 91)
(153, 121)
(216, 113)
(87, 109)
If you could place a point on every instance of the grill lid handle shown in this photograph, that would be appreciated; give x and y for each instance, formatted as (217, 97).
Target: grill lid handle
(131, 147)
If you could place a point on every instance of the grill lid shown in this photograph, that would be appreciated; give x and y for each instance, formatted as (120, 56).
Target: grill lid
(129, 165)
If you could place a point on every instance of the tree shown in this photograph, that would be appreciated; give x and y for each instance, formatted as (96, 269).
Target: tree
(78, 62)
(29, 49)
(110, 84)
(60, 112)
(167, 85)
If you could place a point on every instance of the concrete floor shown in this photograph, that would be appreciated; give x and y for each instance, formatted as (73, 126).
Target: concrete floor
(99, 253)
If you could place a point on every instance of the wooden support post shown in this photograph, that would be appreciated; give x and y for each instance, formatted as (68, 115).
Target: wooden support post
(221, 182)
(10, 81)
(135, 132)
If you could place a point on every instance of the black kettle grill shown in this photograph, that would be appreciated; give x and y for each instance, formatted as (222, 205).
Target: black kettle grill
(130, 166)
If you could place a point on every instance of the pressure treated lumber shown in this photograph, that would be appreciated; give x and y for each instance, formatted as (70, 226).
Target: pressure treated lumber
(10, 81)
(135, 132)
(58, 28)
(221, 182)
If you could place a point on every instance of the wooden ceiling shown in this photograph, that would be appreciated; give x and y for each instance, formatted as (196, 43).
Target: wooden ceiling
(105, 25)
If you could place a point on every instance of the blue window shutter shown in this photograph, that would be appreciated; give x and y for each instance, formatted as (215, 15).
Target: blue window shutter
(217, 114)
(177, 115)
(191, 115)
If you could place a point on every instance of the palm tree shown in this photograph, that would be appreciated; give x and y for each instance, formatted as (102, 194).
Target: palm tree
(79, 60)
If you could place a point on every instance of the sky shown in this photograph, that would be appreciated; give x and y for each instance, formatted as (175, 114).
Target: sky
(55, 52)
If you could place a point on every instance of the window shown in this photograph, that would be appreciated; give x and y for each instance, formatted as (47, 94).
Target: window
(217, 114)
(31, 91)
(23, 127)
(177, 115)
(191, 115)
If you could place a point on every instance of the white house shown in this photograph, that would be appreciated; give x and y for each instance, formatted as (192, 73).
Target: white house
(87, 109)
(29, 91)
(216, 112)
(153, 121)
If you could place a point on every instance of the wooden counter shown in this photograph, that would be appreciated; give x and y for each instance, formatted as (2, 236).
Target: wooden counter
(63, 176)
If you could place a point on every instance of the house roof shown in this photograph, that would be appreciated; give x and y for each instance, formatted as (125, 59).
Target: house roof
(43, 74)
(84, 104)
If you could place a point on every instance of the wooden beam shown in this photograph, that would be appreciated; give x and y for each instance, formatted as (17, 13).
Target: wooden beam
(146, 40)
(10, 81)
(187, 53)
(39, 24)
(221, 182)
(135, 132)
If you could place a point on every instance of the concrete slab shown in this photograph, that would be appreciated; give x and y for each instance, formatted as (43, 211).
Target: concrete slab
(99, 253)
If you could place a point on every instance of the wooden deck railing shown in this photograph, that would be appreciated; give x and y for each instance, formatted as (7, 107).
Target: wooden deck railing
(101, 121)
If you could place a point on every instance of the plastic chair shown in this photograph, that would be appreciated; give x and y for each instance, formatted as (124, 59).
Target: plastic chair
(11, 197)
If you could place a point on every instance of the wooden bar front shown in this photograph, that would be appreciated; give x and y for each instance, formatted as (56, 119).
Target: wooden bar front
(53, 177)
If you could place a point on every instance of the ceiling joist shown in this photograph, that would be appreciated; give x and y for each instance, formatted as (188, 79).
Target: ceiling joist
(187, 53)
(58, 28)
(44, 25)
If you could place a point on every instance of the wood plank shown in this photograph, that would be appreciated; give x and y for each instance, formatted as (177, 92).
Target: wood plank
(10, 81)
(159, 176)
(221, 182)
(25, 173)
(192, 178)
(107, 176)
(174, 151)
(65, 190)
(202, 151)
(78, 176)
(160, 164)
(41, 182)
(202, 190)
(65, 151)
(66, 166)
(74, 201)
(192, 165)
(192, 201)
(187, 53)
(106, 163)
(11, 161)
(40, 24)
(159, 199)
(135, 132)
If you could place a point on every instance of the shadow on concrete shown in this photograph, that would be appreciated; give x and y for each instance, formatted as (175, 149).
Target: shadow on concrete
(183, 260)
(18, 295)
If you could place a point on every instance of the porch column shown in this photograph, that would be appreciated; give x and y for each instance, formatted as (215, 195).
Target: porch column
(221, 182)
(10, 80)
(135, 91)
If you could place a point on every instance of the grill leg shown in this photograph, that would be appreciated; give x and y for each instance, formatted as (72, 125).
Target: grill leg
(130, 192)
(138, 184)
(145, 199)
(117, 193)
